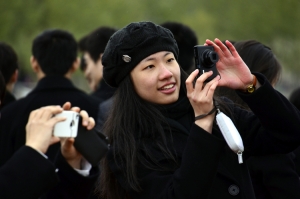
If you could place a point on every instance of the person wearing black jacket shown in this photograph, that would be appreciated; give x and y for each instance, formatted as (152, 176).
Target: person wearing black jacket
(54, 60)
(29, 174)
(273, 176)
(9, 69)
(163, 136)
(92, 46)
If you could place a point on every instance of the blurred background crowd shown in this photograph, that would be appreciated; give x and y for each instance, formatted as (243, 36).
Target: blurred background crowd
(272, 22)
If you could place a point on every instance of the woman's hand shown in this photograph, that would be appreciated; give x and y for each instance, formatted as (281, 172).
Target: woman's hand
(234, 72)
(40, 126)
(201, 97)
(72, 156)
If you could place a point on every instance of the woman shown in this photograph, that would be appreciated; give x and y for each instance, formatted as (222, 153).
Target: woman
(158, 149)
(272, 176)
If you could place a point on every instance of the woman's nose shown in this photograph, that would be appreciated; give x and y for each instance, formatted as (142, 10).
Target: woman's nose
(165, 72)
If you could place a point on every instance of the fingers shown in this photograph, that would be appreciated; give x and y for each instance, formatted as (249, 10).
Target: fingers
(210, 87)
(232, 48)
(44, 113)
(67, 106)
(91, 123)
(76, 109)
(221, 45)
(216, 47)
(87, 121)
(54, 140)
(55, 120)
(189, 81)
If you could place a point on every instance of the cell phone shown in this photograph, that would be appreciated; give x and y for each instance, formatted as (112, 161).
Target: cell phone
(205, 60)
(91, 144)
(69, 127)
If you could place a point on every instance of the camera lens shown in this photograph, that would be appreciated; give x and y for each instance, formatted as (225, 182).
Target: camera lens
(210, 57)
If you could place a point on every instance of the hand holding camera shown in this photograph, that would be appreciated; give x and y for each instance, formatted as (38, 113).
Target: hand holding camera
(233, 70)
(39, 127)
(79, 138)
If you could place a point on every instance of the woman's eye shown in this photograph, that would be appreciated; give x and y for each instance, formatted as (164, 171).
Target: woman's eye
(149, 67)
(171, 59)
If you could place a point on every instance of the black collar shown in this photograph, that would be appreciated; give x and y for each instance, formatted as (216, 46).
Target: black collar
(50, 82)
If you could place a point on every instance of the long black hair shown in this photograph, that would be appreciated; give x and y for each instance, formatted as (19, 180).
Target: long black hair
(130, 125)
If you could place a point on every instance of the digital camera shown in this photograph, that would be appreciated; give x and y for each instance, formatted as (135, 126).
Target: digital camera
(205, 60)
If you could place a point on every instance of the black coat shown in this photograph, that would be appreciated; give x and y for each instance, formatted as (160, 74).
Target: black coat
(8, 98)
(50, 90)
(274, 176)
(209, 172)
(104, 91)
(29, 175)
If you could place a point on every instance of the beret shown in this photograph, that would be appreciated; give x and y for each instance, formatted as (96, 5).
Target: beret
(128, 46)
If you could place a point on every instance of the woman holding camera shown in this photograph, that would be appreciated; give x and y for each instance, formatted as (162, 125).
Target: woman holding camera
(164, 139)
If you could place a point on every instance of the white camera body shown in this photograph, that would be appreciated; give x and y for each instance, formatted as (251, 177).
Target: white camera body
(69, 127)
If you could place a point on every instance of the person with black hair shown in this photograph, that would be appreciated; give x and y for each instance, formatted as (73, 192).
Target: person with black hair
(29, 173)
(54, 60)
(164, 142)
(92, 46)
(186, 39)
(9, 69)
(295, 100)
(273, 176)
(2, 87)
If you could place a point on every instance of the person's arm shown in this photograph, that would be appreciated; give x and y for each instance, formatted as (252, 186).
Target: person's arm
(274, 123)
(72, 184)
(68, 162)
(27, 174)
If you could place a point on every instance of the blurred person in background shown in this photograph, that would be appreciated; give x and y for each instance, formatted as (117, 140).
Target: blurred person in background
(92, 46)
(29, 173)
(186, 39)
(295, 99)
(54, 60)
(9, 69)
(273, 176)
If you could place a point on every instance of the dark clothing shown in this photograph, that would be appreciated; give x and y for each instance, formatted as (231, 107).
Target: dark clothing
(274, 176)
(104, 91)
(28, 175)
(8, 98)
(297, 160)
(273, 129)
(50, 90)
(104, 108)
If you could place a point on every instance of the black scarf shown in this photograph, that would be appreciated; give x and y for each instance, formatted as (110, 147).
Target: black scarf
(179, 113)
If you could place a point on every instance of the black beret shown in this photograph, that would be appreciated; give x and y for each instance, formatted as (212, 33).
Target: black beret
(130, 45)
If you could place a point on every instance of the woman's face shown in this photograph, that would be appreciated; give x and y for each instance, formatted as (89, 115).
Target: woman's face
(157, 78)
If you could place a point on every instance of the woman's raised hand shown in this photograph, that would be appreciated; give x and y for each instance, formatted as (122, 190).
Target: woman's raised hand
(234, 72)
